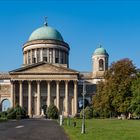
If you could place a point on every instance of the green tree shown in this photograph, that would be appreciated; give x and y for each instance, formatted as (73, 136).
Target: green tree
(114, 93)
(135, 102)
(88, 111)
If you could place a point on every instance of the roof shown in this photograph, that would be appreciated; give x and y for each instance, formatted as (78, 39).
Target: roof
(45, 33)
(44, 68)
(4, 75)
(100, 51)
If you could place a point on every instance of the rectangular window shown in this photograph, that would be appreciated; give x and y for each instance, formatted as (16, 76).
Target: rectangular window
(56, 60)
(45, 59)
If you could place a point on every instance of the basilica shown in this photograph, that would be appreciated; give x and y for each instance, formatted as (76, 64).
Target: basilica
(45, 77)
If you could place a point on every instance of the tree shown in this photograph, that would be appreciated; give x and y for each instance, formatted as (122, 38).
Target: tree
(135, 102)
(88, 112)
(114, 93)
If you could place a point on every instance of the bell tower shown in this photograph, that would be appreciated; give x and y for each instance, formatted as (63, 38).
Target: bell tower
(100, 61)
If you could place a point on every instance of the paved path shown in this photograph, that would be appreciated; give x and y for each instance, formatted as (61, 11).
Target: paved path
(32, 129)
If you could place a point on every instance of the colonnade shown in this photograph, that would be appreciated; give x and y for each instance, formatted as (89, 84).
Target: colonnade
(50, 55)
(66, 112)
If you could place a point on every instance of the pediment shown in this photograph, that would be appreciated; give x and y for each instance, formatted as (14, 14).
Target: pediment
(44, 68)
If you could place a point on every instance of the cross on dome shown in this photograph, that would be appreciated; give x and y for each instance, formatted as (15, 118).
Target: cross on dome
(45, 23)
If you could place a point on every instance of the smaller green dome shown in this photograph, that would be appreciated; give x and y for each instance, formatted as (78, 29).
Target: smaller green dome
(45, 33)
(100, 51)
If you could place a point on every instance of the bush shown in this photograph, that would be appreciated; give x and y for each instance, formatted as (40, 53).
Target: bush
(88, 112)
(12, 115)
(77, 116)
(16, 113)
(3, 114)
(52, 112)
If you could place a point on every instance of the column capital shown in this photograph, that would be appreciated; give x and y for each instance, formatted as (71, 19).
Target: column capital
(48, 81)
(29, 81)
(58, 81)
(38, 81)
(67, 81)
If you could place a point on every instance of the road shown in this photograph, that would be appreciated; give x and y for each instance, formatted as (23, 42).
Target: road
(32, 129)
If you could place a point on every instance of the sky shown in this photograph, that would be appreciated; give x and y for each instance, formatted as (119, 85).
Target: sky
(84, 24)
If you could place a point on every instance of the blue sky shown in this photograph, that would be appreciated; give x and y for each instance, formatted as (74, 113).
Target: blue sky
(83, 25)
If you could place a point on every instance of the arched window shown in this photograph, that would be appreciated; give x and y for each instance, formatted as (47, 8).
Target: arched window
(101, 65)
(5, 104)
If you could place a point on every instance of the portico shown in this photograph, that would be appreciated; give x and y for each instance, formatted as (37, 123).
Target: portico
(33, 90)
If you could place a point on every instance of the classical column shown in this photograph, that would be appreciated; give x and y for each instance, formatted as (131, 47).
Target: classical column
(31, 56)
(49, 94)
(29, 99)
(27, 57)
(48, 55)
(41, 54)
(24, 58)
(75, 97)
(12, 94)
(20, 94)
(36, 55)
(38, 97)
(53, 55)
(66, 99)
(57, 94)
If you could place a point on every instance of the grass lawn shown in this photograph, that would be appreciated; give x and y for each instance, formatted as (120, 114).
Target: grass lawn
(105, 129)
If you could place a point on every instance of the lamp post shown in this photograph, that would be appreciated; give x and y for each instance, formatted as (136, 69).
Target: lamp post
(83, 118)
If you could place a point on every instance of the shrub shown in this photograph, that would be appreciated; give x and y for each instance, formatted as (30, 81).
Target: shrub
(88, 112)
(12, 115)
(16, 113)
(77, 116)
(3, 114)
(52, 112)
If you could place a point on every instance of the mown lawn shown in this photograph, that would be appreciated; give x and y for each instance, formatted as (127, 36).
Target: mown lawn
(105, 129)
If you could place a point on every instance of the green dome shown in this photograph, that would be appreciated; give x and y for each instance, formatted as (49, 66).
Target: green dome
(45, 33)
(100, 51)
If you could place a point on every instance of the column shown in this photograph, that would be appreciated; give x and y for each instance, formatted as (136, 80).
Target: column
(49, 94)
(57, 94)
(75, 97)
(53, 55)
(27, 57)
(31, 56)
(38, 97)
(48, 55)
(29, 99)
(66, 99)
(36, 55)
(24, 58)
(41, 54)
(20, 94)
(12, 94)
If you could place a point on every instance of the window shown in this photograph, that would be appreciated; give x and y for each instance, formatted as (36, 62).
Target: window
(34, 60)
(56, 60)
(45, 59)
(45, 55)
(56, 56)
(101, 65)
